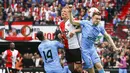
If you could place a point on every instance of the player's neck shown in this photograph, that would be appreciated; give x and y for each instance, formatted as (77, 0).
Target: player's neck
(12, 49)
(65, 19)
(45, 39)
(95, 24)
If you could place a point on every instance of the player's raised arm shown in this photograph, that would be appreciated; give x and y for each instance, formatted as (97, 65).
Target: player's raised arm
(60, 45)
(74, 31)
(108, 37)
(72, 21)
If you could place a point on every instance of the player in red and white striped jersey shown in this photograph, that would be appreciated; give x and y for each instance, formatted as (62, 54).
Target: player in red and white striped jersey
(10, 57)
(71, 42)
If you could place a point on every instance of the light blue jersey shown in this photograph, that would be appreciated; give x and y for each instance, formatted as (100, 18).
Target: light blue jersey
(89, 35)
(49, 52)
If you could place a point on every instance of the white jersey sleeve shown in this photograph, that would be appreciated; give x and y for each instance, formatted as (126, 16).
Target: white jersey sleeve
(4, 54)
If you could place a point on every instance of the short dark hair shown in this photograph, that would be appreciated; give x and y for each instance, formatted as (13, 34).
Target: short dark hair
(39, 35)
(96, 13)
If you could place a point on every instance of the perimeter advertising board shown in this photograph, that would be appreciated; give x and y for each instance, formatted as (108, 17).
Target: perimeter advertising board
(24, 31)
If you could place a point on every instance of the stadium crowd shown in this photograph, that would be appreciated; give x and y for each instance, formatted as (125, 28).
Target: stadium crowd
(48, 12)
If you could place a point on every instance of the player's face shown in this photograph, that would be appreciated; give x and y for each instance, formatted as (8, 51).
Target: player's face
(12, 46)
(96, 19)
(64, 13)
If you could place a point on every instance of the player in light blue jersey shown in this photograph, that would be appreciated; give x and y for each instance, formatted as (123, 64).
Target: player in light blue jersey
(90, 31)
(49, 52)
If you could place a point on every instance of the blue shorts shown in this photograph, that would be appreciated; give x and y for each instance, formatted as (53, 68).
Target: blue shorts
(90, 57)
(122, 70)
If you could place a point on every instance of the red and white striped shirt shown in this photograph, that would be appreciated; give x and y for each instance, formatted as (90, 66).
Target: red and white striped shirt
(66, 28)
(11, 56)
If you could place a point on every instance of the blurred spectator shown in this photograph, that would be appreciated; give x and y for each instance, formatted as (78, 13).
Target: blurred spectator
(50, 21)
(36, 19)
(127, 21)
(37, 60)
(25, 12)
(116, 21)
(122, 63)
(128, 61)
(1, 15)
(75, 11)
(62, 2)
(49, 1)
(128, 34)
(64, 64)
(83, 14)
(104, 14)
(1, 18)
(109, 9)
(1, 1)
(42, 19)
(27, 60)
(118, 5)
(108, 63)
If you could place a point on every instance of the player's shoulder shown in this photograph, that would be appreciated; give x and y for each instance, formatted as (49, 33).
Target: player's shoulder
(15, 50)
(43, 43)
(63, 22)
(6, 50)
(85, 21)
(54, 41)
(100, 26)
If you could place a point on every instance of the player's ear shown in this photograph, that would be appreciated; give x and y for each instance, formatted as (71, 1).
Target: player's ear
(37, 38)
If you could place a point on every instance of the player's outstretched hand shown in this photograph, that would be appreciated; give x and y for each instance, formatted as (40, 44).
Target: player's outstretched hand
(60, 36)
(70, 8)
(71, 34)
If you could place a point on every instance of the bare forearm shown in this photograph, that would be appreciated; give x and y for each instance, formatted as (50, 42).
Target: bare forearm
(71, 18)
(110, 41)
(72, 21)
(78, 30)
